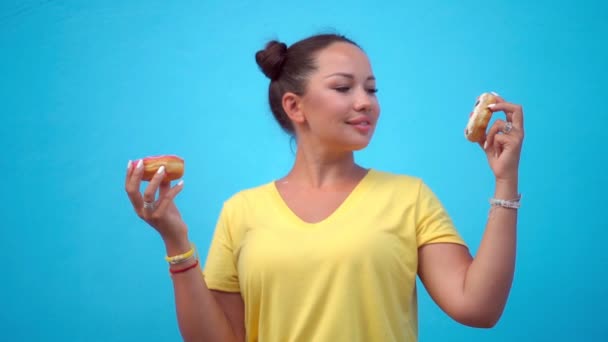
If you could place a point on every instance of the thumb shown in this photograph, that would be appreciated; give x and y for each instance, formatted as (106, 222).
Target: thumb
(487, 147)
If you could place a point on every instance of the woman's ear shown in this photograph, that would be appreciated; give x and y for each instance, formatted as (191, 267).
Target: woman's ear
(292, 105)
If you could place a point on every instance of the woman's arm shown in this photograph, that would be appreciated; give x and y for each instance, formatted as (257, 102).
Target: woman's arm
(474, 291)
(202, 314)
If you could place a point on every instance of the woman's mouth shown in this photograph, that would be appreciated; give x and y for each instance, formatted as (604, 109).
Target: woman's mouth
(362, 125)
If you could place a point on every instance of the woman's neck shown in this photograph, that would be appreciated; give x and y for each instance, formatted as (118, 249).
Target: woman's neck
(324, 170)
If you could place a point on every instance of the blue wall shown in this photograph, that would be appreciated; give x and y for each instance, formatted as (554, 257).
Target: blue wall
(87, 85)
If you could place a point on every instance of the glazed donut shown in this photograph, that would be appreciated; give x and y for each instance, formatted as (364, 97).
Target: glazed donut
(479, 118)
(174, 167)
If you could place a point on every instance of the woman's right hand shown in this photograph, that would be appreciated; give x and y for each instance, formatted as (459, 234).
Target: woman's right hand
(161, 213)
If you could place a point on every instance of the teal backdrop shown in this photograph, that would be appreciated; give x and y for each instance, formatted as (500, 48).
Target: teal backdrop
(86, 86)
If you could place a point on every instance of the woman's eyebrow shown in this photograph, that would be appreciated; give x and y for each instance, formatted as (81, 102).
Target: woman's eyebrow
(347, 75)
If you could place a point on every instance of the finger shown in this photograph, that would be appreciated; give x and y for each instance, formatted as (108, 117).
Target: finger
(133, 182)
(128, 175)
(501, 141)
(164, 187)
(492, 132)
(517, 117)
(513, 112)
(498, 97)
(496, 148)
(168, 197)
(482, 141)
(129, 167)
(151, 189)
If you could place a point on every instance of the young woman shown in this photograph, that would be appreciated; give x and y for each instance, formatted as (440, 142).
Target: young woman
(331, 251)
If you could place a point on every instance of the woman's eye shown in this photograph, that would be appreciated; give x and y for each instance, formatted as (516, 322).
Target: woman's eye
(346, 89)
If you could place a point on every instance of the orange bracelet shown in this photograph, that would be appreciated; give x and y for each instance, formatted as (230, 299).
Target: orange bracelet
(185, 268)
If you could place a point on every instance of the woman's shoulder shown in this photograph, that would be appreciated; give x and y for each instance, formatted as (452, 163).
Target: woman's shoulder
(254, 193)
(395, 178)
(401, 184)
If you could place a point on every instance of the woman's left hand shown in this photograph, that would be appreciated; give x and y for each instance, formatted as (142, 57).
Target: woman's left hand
(504, 141)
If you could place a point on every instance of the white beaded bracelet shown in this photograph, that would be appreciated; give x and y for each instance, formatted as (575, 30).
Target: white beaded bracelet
(511, 204)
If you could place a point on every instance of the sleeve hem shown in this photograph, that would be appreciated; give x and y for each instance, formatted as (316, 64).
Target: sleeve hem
(444, 240)
(221, 285)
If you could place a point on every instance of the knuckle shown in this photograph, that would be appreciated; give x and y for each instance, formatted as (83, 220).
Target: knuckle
(148, 195)
(156, 217)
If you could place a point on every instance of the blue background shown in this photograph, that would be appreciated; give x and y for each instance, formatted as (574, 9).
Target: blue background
(88, 85)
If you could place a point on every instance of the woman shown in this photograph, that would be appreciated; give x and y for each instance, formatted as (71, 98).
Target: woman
(330, 252)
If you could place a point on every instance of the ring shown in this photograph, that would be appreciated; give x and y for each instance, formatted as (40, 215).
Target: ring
(149, 205)
(508, 127)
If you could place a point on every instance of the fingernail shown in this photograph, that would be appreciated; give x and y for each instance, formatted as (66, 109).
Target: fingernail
(494, 93)
(492, 105)
(180, 183)
(129, 165)
(161, 169)
(485, 145)
(140, 164)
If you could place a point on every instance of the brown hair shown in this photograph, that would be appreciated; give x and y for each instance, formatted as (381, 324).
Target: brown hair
(288, 69)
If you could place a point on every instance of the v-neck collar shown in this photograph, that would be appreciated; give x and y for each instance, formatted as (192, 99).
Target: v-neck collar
(348, 201)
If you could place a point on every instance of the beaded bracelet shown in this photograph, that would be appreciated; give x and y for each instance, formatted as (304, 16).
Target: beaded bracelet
(182, 270)
(180, 258)
(511, 204)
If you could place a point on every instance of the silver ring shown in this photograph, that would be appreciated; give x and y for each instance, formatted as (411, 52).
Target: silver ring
(508, 127)
(149, 205)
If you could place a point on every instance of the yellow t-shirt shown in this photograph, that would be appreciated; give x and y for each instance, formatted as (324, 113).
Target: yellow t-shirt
(350, 277)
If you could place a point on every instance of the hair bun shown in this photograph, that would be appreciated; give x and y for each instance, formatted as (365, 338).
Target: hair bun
(271, 59)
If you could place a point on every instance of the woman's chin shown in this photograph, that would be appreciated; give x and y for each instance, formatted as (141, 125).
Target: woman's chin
(358, 145)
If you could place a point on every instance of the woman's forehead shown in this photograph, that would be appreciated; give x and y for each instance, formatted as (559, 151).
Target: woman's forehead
(342, 58)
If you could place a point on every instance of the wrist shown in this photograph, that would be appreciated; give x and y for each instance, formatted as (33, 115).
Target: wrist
(506, 188)
(175, 245)
(181, 262)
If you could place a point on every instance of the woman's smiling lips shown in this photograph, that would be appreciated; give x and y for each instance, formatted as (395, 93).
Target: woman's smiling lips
(361, 123)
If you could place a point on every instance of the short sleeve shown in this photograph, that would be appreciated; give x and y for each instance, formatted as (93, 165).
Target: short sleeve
(220, 270)
(433, 223)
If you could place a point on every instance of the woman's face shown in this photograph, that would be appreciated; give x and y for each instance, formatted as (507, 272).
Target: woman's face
(340, 107)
